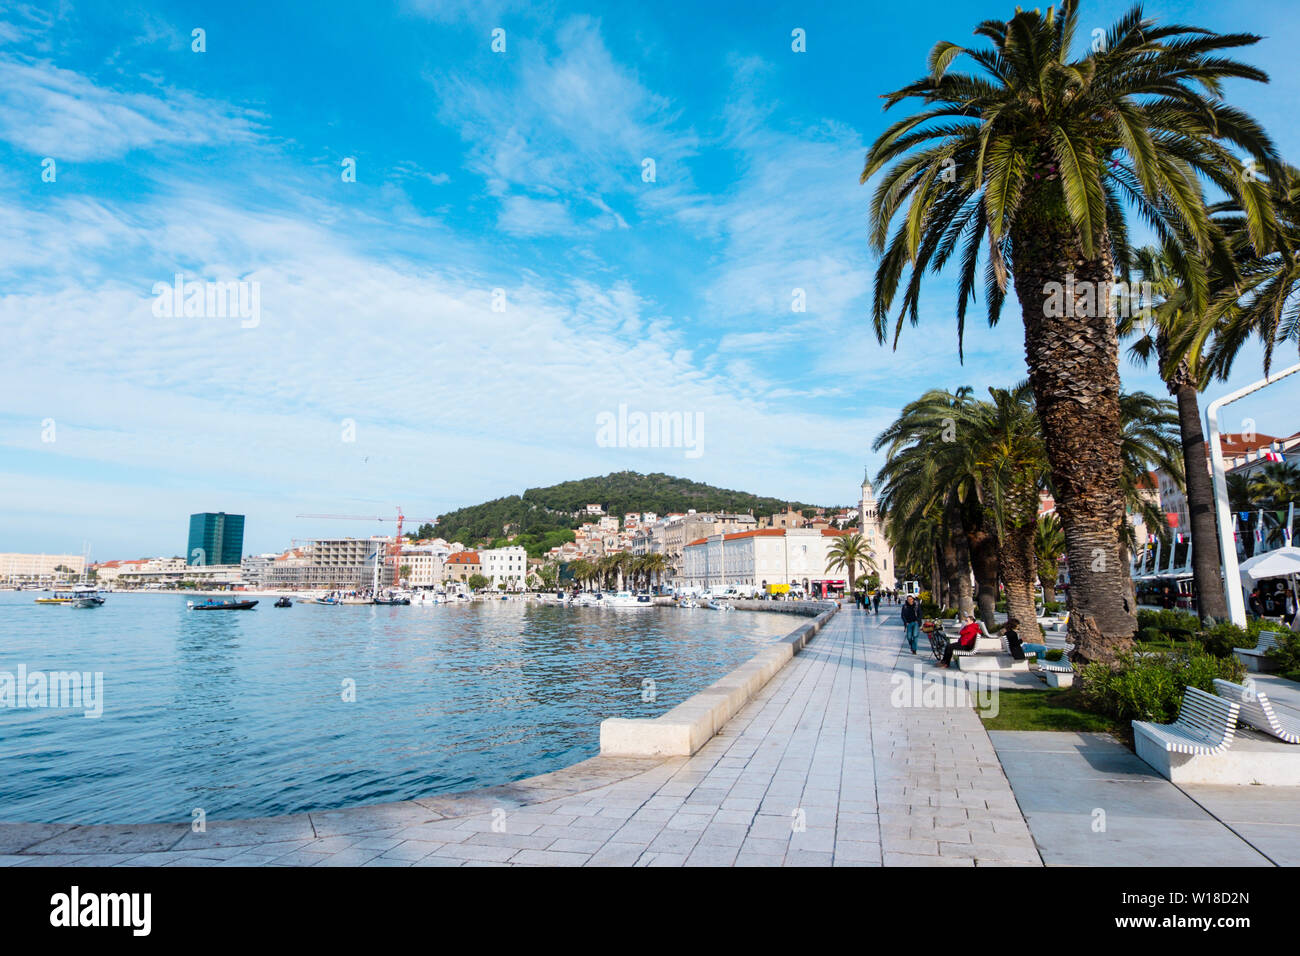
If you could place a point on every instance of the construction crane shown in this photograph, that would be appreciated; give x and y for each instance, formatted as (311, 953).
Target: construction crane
(394, 549)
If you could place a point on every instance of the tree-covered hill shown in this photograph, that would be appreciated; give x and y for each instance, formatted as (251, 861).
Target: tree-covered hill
(539, 510)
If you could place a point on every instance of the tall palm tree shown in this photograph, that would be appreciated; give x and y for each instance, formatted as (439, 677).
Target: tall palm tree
(1049, 548)
(849, 552)
(1185, 375)
(1035, 164)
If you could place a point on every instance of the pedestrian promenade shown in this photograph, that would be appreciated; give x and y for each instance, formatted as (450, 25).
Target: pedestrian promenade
(822, 768)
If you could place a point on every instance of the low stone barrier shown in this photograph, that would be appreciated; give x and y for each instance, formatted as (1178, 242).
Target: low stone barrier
(692, 723)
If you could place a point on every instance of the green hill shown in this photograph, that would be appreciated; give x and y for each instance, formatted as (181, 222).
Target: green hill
(541, 510)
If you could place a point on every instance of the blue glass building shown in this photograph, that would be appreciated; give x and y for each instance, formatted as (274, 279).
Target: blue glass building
(215, 538)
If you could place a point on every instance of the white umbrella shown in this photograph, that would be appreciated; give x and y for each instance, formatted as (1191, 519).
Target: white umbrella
(1278, 563)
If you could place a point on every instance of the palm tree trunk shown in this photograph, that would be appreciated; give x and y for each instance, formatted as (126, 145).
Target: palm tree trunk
(1018, 563)
(1049, 588)
(959, 581)
(984, 562)
(1206, 559)
(1073, 363)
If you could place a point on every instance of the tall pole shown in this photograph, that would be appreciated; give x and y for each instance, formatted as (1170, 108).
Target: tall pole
(1227, 547)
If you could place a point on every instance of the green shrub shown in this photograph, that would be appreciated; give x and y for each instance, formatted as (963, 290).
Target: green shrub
(1287, 653)
(1000, 606)
(1055, 654)
(948, 613)
(1168, 620)
(1150, 686)
(1151, 635)
(1054, 607)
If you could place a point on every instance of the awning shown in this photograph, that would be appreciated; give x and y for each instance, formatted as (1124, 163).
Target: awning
(1278, 563)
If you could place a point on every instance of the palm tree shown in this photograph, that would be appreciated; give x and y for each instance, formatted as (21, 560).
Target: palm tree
(654, 565)
(849, 552)
(1034, 165)
(1149, 436)
(1004, 438)
(1261, 300)
(1049, 547)
(1185, 375)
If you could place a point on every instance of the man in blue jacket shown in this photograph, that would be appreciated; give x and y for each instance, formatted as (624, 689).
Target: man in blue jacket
(911, 621)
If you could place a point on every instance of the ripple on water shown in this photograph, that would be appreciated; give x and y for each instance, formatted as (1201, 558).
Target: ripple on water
(242, 713)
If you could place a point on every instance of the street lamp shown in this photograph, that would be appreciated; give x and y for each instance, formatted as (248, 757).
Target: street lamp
(1228, 547)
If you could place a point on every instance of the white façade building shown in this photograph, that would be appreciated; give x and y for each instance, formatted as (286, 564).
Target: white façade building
(760, 558)
(508, 566)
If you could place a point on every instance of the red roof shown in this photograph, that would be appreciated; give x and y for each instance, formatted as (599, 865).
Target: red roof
(463, 557)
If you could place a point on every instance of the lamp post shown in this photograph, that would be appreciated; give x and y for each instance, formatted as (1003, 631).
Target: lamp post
(1227, 547)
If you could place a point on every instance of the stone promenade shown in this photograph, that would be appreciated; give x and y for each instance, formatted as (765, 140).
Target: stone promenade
(822, 768)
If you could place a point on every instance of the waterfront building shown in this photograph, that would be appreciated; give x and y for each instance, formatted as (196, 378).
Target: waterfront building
(425, 563)
(215, 538)
(462, 566)
(759, 558)
(680, 530)
(18, 568)
(160, 572)
(508, 566)
(329, 563)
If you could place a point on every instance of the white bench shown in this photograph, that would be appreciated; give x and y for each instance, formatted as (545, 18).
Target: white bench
(1058, 673)
(1256, 710)
(1205, 725)
(990, 653)
(1254, 657)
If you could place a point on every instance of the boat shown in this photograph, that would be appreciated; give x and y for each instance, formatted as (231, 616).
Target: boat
(392, 600)
(283, 602)
(628, 599)
(59, 598)
(688, 603)
(211, 605)
(713, 605)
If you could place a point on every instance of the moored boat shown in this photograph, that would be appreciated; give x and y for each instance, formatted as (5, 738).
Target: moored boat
(211, 605)
(283, 602)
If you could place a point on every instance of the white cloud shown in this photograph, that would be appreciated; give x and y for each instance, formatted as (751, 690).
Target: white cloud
(50, 111)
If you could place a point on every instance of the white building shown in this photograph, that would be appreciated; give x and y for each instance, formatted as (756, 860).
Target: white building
(759, 558)
(425, 564)
(508, 566)
(39, 567)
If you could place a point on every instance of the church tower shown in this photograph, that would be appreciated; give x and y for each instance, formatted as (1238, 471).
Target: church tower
(874, 533)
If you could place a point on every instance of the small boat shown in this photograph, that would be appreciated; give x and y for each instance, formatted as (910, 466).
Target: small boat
(211, 605)
(715, 606)
(59, 598)
(390, 601)
(627, 599)
(283, 602)
(688, 603)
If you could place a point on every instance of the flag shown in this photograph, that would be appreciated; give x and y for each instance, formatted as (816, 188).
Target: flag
(1273, 456)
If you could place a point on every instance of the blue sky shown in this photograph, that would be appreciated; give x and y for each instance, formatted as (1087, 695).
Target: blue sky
(475, 171)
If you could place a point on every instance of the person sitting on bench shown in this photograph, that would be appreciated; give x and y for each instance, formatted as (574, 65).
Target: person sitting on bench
(965, 639)
(1010, 632)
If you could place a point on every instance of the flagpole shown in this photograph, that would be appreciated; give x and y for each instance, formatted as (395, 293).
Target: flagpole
(1231, 574)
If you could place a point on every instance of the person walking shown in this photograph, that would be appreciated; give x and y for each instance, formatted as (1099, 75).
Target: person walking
(875, 601)
(911, 622)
